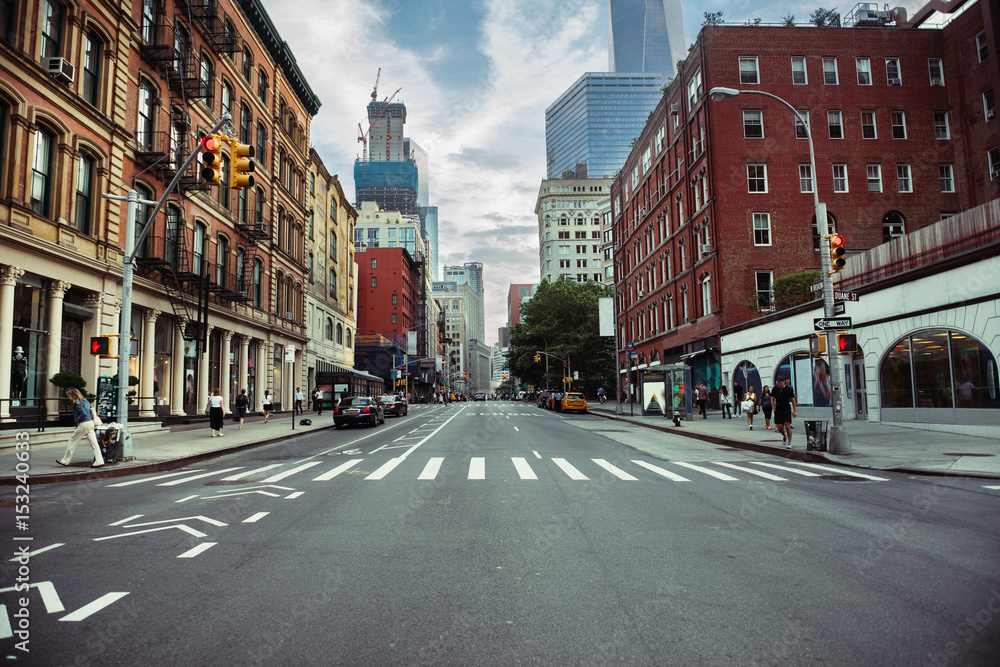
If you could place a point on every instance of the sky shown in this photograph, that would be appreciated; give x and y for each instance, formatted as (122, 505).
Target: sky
(476, 77)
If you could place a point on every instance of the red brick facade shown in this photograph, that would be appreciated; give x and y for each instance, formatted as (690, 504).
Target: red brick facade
(387, 298)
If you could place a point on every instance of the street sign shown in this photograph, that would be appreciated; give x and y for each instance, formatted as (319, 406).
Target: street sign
(830, 324)
(839, 308)
(845, 296)
(630, 346)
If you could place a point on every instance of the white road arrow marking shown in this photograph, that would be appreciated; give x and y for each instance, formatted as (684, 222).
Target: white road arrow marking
(49, 596)
(191, 553)
(204, 474)
(42, 550)
(183, 518)
(186, 529)
(94, 607)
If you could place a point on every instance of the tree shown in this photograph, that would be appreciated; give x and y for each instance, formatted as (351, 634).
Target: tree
(795, 288)
(562, 318)
(825, 18)
(712, 18)
(788, 20)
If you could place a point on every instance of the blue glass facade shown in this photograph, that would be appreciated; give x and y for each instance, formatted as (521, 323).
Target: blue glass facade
(645, 36)
(595, 121)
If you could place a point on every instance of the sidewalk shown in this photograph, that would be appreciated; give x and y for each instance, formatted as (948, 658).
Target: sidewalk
(875, 446)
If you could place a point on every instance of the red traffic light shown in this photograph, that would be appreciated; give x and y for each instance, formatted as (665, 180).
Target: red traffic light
(210, 143)
(847, 343)
(100, 345)
(837, 241)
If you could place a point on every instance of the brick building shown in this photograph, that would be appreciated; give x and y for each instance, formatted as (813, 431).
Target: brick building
(715, 201)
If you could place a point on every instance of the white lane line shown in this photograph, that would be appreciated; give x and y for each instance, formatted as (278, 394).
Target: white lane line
(477, 467)
(991, 487)
(293, 496)
(840, 471)
(615, 470)
(152, 479)
(537, 455)
(804, 473)
(523, 469)
(288, 473)
(186, 498)
(131, 518)
(6, 632)
(204, 546)
(336, 471)
(661, 471)
(430, 470)
(35, 552)
(707, 471)
(248, 473)
(254, 518)
(175, 482)
(759, 473)
(569, 469)
(517, 429)
(94, 607)
(385, 469)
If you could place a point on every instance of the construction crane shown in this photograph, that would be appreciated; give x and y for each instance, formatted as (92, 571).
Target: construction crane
(375, 89)
(362, 135)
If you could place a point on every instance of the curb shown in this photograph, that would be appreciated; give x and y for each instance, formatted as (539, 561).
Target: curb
(159, 466)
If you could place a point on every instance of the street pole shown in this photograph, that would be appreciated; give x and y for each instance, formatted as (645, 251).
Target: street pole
(839, 438)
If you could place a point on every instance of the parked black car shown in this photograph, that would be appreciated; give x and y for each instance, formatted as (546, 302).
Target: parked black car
(358, 410)
(394, 405)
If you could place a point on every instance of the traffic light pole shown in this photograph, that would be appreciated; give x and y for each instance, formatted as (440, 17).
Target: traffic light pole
(128, 261)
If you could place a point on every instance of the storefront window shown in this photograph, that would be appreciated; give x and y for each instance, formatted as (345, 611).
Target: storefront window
(897, 378)
(30, 341)
(974, 373)
(162, 369)
(809, 377)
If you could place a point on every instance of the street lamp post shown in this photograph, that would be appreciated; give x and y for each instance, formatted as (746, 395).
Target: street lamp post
(840, 441)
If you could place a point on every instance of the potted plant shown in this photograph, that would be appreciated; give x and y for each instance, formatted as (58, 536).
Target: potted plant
(66, 380)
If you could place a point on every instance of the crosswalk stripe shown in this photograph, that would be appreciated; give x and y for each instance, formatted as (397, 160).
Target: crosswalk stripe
(759, 473)
(477, 467)
(804, 473)
(524, 470)
(385, 469)
(661, 471)
(336, 471)
(712, 473)
(152, 479)
(175, 482)
(841, 471)
(254, 518)
(288, 473)
(430, 470)
(616, 471)
(244, 475)
(570, 470)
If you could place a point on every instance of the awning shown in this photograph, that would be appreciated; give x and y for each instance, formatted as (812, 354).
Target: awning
(689, 355)
(323, 366)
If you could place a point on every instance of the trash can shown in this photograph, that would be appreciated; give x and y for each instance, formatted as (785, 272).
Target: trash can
(816, 436)
(109, 438)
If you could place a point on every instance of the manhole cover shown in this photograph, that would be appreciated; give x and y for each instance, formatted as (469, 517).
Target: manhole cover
(842, 478)
(227, 482)
(964, 454)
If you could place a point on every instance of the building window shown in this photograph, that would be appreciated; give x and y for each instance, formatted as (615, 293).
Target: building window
(684, 303)
(374, 281)
(340, 333)
(258, 283)
(903, 178)
(982, 48)
(830, 72)
(394, 318)
(84, 193)
(757, 178)
(893, 225)
(706, 295)
(261, 142)
(802, 129)
(840, 178)
(52, 29)
(374, 263)
(694, 89)
(831, 228)
(898, 121)
(947, 178)
(247, 64)
(989, 106)
(748, 70)
(799, 71)
(753, 124)
(892, 75)
(333, 283)
(262, 85)
(222, 262)
(941, 129)
(762, 229)
(91, 68)
(144, 124)
(993, 160)
(864, 66)
(936, 70)
(227, 98)
(245, 124)
(241, 204)
(395, 299)
(41, 172)
(765, 290)
(835, 123)
(258, 208)
(805, 178)
(328, 330)
(874, 178)
(348, 338)
(868, 125)
(149, 21)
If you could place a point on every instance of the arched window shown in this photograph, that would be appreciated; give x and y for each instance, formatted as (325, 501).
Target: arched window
(340, 333)
(333, 284)
(91, 76)
(222, 261)
(261, 143)
(247, 63)
(245, 124)
(348, 337)
(205, 77)
(939, 368)
(181, 41)
(241, 271)
(84, 193)
(746, 375)
(280, 236)
(241, 204)
(227, 97)
(893, 225)
(198, 249)
(258, 283)
(141, 215)
(809, 376)
(328, 330)
(279, 306)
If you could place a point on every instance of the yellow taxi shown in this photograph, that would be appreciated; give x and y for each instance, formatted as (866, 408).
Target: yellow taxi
(573, 401)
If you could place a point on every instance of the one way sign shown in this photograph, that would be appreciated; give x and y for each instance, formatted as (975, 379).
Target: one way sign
(829, 324)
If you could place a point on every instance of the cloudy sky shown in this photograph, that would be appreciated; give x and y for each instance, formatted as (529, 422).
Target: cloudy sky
(476, 77)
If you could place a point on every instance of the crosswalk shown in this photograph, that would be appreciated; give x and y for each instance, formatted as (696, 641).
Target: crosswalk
(522, 468)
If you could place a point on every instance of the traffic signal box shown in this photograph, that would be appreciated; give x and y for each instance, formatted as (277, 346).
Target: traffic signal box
(538, 358)
(817, 344)
(847, 343)
(240, 174)
(211, 159)
(837, 252)
(100, 345)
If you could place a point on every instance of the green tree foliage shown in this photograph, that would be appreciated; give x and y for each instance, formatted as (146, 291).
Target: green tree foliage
(788, 20)
(712, 18)
(562, 318)
(794, 288)
(825, 18)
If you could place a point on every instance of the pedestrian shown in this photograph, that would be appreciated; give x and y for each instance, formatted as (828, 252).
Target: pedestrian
(726, 401)
(785, 407)
(750, 405)
(267, 404)
(601, 395)
(84, 417)
(242, 403)
(318, 401)
(298, 401)
(216, 412)
(766, 405)
(738, 396)
(702, 399)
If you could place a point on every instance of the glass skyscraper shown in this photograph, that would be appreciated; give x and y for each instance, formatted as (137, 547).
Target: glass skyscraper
(645, 36)
(594, 122)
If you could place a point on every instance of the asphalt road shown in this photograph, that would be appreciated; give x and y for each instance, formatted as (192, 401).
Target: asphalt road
(499, 534)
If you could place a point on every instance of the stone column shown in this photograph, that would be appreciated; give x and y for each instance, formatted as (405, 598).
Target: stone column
(262, 365)
(57, 291)
(224, 367)
(203, 388)
(179, 382)
(147, 362)
(8, 280)
(244, 358)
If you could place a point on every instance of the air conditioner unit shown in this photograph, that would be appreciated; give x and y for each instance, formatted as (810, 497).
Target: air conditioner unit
(706, 248)
(686, 320)
(673, 109)
(640, 294)
(895, 82)
(288, 315)
(937, 82)
(995, 173)
(991, 114)
(60, 69)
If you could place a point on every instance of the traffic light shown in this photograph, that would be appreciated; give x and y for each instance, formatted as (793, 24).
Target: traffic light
(465, 376)
(242, 168)
(538, 358)
(847, 343)
(817, 344)
(100, 345)
(504, 377)
(211, 159)
(837, 252)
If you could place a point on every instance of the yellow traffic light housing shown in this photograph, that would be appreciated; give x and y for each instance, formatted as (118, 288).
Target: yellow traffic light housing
(100, 345)
(242, 167)
(817, 344)
(538, 358)
(837, 252)
(211, 159)
(847, 343)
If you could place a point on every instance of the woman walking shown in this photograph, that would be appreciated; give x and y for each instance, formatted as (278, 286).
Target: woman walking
(727, 403)
(216, 412)
(750, 405)
(83, 415)
(267, 404)
(766, 404)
